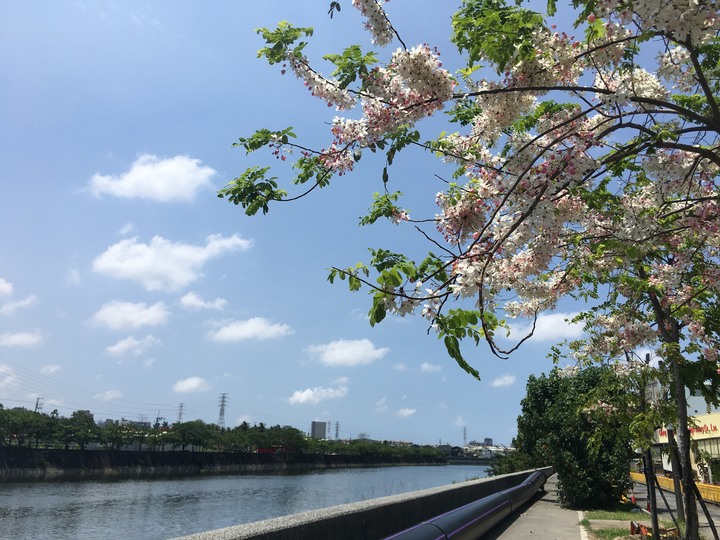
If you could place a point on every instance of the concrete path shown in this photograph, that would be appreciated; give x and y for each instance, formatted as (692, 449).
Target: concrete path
(542, 519)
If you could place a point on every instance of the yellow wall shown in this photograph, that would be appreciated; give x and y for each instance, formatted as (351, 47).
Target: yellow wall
(707, 491)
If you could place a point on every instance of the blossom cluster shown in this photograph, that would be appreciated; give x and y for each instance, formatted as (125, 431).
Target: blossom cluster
(683, 19)
(377, 22)
(319, 86)
(412, 86)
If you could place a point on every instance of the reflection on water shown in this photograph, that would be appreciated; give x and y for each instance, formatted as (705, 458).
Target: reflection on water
(160, 509)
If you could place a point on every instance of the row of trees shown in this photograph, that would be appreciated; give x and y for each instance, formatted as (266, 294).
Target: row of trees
(25, 428)
(582, 168)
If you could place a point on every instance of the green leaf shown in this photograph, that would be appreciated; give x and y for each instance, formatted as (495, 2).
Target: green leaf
(452, 345)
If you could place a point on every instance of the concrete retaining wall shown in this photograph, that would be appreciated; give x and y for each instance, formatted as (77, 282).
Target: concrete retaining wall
(373, 519)
(29, 465)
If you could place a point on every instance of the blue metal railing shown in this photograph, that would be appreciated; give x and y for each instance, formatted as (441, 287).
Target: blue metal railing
(471, 521)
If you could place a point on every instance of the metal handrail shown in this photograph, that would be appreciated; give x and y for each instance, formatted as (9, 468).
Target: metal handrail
(475, 519)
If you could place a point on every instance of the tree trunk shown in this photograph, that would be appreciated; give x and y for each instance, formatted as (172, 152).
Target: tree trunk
(692, 526)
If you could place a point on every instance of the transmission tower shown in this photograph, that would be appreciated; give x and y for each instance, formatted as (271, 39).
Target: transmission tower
(464, 436)
(337, 430)
(180, 413)
(223, 404)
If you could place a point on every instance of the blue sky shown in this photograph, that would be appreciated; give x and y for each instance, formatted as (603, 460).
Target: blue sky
(127, 287)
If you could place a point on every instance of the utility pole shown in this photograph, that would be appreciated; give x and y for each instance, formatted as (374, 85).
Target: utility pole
(180, 413)
(464, 436)
(38, 405)
(223, 404)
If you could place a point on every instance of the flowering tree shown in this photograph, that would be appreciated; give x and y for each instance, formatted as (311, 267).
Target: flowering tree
(583, 168)
(556, 423)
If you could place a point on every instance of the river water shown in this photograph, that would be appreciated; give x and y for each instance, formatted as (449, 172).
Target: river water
(161, 509)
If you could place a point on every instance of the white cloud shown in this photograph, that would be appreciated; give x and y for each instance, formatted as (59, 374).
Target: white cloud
(406, 412)
(163, 265)
(148, 362)
(49, 369)
(400, 366)
(126, 229)
(549, 327)
(6, 288)
(20, 339)
(191, 384)
(381, 405)
(126, 315)
(109, 395)
(426, 367)
(8, 308)
(193, 300)
(505, 380)
(318, 394)
(345, 352)
(255, 328)
(460, 422)
(8, 377)
(175, 179)
(132, 346)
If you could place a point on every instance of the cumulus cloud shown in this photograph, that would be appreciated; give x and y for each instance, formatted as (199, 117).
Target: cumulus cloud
(127, 315)
(49, 369)
(163, 265)
(193, 300)
(6, 288)
(20, 339)
(132, 346)
(460, 422)
(505, 380)
(427, 367)
(175, 179)
(345, 352)
(319, 393)
(255, 328)
(400, 366)
(406, 412)
(549, 327)
(8, 308)
(109, 395)
(190, 385)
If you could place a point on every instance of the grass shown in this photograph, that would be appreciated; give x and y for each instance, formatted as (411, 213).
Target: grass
(624, 511)
(607, 533)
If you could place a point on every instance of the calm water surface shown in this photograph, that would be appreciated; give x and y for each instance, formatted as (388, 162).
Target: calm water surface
(161, 509)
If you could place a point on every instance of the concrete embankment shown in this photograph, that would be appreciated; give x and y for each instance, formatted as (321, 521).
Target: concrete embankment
(23, 464)
(386, 516)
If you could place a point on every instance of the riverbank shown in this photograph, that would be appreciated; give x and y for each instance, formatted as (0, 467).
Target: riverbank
(30, 465)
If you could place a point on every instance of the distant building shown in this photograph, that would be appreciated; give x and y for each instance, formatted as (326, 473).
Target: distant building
(318, 430)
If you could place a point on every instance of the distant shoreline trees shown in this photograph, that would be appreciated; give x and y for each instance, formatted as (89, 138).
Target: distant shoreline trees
(22, 428)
